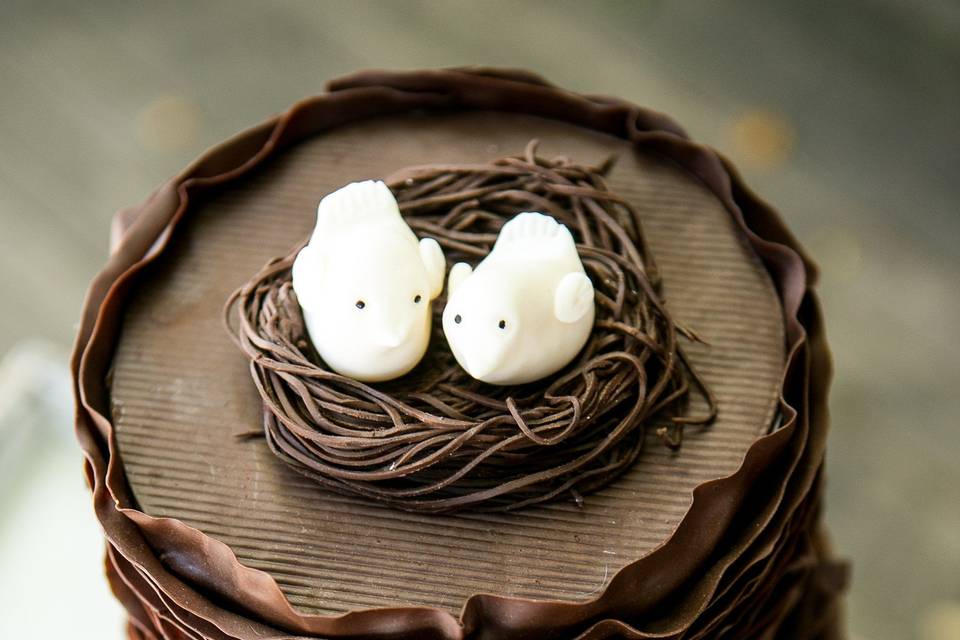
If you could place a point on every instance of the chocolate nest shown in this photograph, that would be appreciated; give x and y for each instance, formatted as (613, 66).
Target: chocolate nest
(438, 440)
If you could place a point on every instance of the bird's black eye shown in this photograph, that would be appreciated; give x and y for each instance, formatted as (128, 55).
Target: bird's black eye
(502, 324)
(457, 318)
(361, 304)
(417, 298)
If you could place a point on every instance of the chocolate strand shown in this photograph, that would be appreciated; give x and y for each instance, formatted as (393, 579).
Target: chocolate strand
(437, 440)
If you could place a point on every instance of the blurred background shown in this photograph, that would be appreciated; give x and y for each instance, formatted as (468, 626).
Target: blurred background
(844, 114)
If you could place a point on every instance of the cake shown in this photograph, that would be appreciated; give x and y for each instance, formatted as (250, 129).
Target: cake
(210, 534)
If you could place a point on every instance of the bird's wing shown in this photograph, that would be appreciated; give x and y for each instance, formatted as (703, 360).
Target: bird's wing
(432, 255)
(359, 203)
(458, 273)
(573, 298)
(306, 273)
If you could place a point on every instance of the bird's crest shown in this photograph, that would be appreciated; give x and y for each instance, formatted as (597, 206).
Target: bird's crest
(358, 203)
(530, 229)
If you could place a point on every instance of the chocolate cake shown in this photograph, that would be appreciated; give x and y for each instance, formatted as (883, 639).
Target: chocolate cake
(211, 533)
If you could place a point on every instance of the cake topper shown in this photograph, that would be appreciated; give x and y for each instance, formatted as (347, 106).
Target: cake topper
(365, 284)
(527, 308)
(440, 441)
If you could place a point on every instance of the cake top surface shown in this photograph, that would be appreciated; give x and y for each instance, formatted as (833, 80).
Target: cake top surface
(181, 392)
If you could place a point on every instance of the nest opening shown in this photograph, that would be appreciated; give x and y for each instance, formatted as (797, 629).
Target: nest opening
(436, 439)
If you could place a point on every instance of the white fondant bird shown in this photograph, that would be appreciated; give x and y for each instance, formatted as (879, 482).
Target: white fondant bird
(365, 283)
(526, 310)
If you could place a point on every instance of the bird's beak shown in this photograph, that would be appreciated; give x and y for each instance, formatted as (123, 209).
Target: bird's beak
(480, 367)
(392, 338)
(393, 335)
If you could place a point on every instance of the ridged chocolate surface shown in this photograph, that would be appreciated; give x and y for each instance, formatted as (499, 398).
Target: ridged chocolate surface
(180, 390)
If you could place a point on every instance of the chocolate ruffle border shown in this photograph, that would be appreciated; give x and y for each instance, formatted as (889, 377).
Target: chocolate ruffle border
(748, 555)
